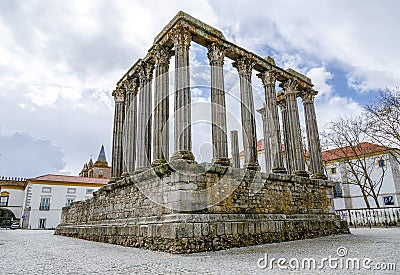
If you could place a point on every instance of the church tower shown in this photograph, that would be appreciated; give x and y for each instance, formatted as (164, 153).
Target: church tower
(99, 169)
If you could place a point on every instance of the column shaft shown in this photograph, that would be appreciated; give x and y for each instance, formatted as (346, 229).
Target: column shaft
(161, 106)
(182, 138)
(314, 145)
(218, 107)
(130, 125)
(244, 67)
(143, 142)
(235, 149)
(119, 116)
(290, 87)
(286, 136)
(272, 120)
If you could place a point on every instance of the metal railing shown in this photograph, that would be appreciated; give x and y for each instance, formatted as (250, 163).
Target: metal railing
(388, 216)
(44, 207)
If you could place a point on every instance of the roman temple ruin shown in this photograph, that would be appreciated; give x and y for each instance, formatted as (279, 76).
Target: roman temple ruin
(174, 204)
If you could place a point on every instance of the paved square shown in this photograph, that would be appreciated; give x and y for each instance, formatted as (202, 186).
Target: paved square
(41, 252)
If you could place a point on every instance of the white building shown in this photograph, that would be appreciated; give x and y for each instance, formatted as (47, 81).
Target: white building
(379, 162)
(47, 195)
(12, 194)
(348, 196)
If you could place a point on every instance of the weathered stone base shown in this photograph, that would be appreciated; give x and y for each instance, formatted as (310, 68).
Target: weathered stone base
(190, 233)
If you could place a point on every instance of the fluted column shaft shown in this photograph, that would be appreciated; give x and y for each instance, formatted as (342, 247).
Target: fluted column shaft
(235, 149)
(218, 107)
(286, 136)
(130, 125)
(294, 129)
(268, 79)
(314, 144)
(161, 106)
(117, 149)
(267, 139)
(143, 141)
(244, 67)
(182, 135)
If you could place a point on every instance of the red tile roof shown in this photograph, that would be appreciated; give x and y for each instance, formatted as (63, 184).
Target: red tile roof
(70, 179)
(363, 148)
(338, 153)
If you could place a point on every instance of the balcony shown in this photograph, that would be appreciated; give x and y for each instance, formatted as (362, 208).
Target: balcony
(44, 207)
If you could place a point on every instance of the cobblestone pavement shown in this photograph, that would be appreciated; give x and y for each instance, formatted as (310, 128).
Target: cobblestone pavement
(41, 252)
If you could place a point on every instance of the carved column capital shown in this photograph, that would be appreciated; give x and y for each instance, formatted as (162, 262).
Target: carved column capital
(308, 96)
(149, 68)
(244, 66)
(161, 55)
(119, 94)
(281, 100)
(290, 86)
(216, 54)
(181, 36)
(132, 84)
(268, 77)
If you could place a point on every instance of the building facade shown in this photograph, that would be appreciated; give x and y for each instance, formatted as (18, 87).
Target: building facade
(47, 195)
(12, 194)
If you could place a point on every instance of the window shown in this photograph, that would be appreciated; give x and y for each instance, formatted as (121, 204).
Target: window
(89, 191)
(42, 223)
(4, 198)
(333, 170)
(338, 190)
(388, 200)
(69, 201)
(71, 190)
(44, 204)
(46, 189)
(381, 163)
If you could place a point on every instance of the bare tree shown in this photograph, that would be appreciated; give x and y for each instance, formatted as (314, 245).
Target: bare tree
(383, 120)
(348, 137)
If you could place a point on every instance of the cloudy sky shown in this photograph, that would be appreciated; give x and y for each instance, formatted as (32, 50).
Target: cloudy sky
(60, 60)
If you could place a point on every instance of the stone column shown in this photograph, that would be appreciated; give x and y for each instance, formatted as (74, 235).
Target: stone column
(235, 149)
(130, 124)
(294, 129)
(183, 133)
(281, 100)
(143, 142)
(119, 116)
(314, 145)
(268, 79)
(218, 107)
(244, 67)
(267, 139)
(161, 106)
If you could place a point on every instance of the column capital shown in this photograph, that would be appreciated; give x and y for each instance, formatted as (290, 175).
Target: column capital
(268, 77)
(244, 66)
(308, 96)
(281, 100)
(181, 36)
(132, 84)
(161, 55)
(149, 68)
(216, 54)
(289, 85)
(119, 94)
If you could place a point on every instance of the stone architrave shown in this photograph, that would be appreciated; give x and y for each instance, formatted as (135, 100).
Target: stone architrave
(235, 149)
(314, 145)
(143, 142)
(268, 79)
(294, 129)
(119, 116)
(183, 133)
(218, 107)
(161, 106)
(244, 66)
(130, 125)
